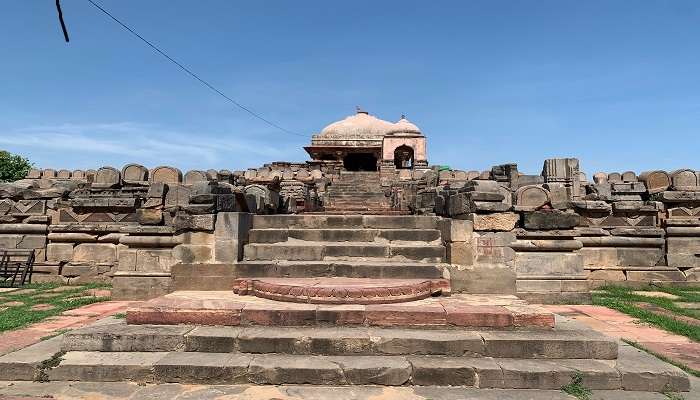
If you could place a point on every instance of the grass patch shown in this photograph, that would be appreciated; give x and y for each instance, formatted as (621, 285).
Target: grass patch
(20, 316)
(576, 388)
(120, 315)
(622, 299)
(661, 357)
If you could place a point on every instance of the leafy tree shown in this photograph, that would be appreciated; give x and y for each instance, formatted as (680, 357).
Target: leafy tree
(13, 166)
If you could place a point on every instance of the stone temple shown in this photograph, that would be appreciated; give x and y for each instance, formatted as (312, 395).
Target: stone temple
(364, 265)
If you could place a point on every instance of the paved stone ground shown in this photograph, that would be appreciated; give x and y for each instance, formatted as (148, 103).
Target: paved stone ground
(114, 391)
(616, 324)
(71, 319)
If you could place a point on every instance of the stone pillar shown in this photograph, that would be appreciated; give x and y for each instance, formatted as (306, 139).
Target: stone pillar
(473, 270)
(230, 235)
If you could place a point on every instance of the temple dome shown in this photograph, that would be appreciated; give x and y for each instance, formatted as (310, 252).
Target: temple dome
(359, 125)
(404, 126)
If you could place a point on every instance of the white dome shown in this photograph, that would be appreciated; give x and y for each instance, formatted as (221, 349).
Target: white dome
(404, 126)
(359, 125)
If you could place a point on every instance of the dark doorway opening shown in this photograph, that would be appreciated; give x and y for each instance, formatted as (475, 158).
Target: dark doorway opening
(360, 162)
(403, 157)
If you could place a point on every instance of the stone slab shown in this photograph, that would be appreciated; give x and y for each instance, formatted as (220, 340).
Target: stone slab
(226, 308)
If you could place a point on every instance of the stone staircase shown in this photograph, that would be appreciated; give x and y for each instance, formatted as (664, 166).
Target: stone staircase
(271, 355)
(357, 192)
(340, 300)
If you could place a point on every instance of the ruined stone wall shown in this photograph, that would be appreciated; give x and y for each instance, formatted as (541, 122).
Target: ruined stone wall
(131, 225)
(557, 234)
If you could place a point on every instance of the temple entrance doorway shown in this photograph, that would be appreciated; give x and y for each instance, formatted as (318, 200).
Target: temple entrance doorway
(403, 157)
(360, 162)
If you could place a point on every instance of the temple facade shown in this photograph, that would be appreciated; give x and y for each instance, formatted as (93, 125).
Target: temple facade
(363, 142)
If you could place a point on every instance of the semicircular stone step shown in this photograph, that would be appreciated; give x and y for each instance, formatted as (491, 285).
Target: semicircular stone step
(340, 290)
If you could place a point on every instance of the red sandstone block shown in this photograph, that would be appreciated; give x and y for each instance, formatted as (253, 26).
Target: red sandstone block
(344, 314)
(289, 314)
(478, 316)
(175, 317)
(528, 316)
(406, 315)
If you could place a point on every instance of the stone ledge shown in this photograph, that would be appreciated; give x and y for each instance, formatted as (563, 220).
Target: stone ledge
(226, 308)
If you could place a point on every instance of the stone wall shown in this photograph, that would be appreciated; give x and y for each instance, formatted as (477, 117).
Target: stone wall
(560, 234)
(547, 237)
(131, 225)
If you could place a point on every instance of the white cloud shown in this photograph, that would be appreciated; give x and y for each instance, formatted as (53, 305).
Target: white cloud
(144, 143)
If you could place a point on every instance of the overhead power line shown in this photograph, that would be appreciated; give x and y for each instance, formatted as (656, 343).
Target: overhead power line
(191, 73)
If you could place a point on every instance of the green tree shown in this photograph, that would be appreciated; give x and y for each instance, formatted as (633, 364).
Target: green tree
(13, 166)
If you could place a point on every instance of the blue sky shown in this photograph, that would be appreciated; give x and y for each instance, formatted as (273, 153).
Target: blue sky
(614, 83)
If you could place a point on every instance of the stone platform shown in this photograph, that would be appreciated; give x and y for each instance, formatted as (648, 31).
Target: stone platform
(230, 309)
(342, 290)
(113, 351)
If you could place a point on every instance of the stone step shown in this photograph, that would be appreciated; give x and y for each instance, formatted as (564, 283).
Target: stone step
(351, 189)
(318, 251)
(223, 276)
(355, 200)
(555, 344)
(276, 235)
(337, 290)
(226, 308)
(279, 369)
(345, 221)
(364, 211)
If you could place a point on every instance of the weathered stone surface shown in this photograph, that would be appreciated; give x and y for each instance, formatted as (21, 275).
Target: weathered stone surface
(209, 368)
(150, 241)
(95, 252)
(461, 253)
(177, 195)
(124, 338)
(443, 372)
(114, 366)
(548, 264)
(606, 275)
(71, 237)
(59, 252)
(148, 216)
(548, 245)
(550, 219)
(194, 176)
(135, 174)
(590, 205)
(456, 230)
(107, 177)
(23, 364)
(194, 222)
(22, 228)
(602, 256)
(482, 278)
(531, 197)
(648, 276)
(277, 370)
(642, 371)
(679, 196)
(494, 222)
(167, 175)
(190, 253)
(387, 370)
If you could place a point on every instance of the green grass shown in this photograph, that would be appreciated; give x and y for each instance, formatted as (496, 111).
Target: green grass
(661, 357)
(576, 388)
(622, 299)
(20, 316)
(121, 315)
